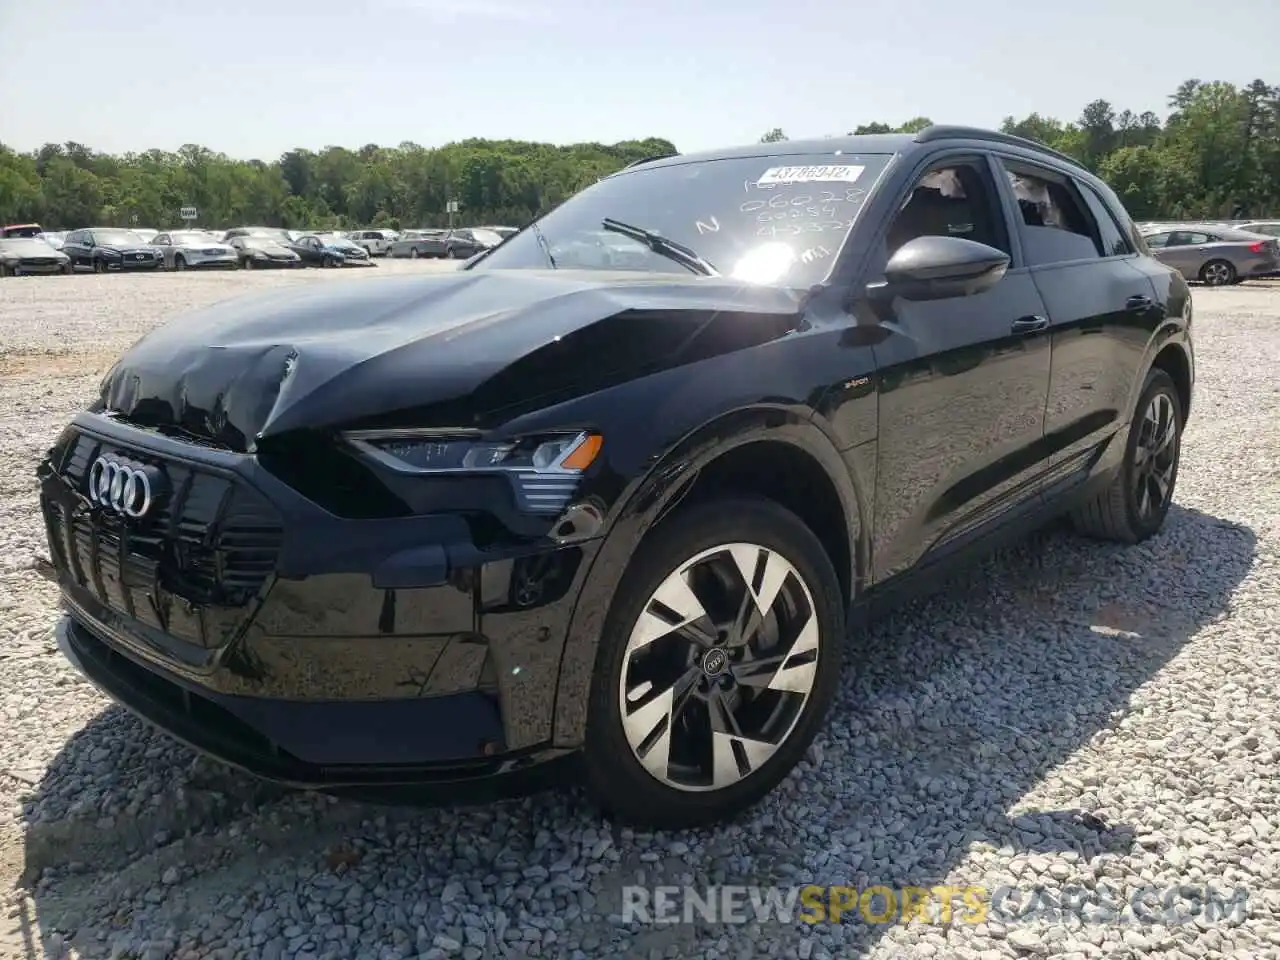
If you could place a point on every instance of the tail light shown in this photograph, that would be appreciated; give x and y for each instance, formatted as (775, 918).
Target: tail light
(1258, 247)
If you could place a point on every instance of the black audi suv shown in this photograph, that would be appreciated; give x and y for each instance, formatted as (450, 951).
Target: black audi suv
(618, 490)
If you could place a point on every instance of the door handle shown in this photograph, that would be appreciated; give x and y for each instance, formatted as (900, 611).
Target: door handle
(1029, 324)
(1137, 303)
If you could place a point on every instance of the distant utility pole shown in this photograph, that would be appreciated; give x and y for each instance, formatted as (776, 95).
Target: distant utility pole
(451, 207)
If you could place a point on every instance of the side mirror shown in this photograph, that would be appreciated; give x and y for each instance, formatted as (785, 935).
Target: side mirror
(937, 268)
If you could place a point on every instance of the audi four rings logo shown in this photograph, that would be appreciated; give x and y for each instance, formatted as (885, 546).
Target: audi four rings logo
(121, 487)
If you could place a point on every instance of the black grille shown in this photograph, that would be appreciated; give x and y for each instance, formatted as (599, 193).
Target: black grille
(190, 567)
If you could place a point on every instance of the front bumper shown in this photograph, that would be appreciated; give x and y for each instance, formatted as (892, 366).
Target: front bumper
(202, 261)
(352, 656)
(131, 262)
(44, 265)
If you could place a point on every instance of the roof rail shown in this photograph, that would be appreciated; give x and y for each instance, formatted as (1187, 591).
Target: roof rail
(656, 156)
(941, 131)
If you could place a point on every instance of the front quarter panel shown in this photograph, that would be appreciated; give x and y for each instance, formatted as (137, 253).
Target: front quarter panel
(658, 432)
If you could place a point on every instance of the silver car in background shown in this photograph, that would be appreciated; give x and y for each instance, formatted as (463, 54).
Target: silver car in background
(1216, 256)
(377, 242)
(1269, 228)
(418, 243)
(54, 239)
(194, 249)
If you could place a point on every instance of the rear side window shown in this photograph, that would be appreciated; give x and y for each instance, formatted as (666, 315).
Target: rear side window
(1110, 236)
(1056, 224)
(1158, 240)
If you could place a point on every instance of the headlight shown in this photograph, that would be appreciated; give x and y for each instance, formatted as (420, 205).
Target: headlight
(544, 471)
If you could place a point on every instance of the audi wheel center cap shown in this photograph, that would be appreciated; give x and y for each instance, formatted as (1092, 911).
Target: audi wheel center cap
(715, 662)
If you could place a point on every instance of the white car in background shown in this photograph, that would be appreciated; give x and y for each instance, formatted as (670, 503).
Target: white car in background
(377, 242)
(183, 249)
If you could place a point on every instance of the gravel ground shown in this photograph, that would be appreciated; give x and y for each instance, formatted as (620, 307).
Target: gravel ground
(1070, 715)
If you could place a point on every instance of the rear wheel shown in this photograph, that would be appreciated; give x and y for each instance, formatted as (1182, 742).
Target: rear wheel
(99, 265)
(179, 263)
(1134, 506)
(1217, 273)
(717, 663)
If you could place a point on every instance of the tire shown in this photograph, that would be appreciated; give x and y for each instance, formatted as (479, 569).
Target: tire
(99, 265)
(247, 263)
(1134, 506)
(698, 537)
(4, 270)
(449, 253)
(413, 253)
(68, 269)
(1217, 273)
(179, 263)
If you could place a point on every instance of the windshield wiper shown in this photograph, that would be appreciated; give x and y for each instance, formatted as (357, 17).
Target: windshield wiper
(542, 242)
(672, 250)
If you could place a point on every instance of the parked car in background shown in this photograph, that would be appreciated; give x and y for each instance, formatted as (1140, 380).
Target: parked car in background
(1216, 256)
(467, 242)
(25, 255)
(54, 238)
(418, 243)
(329, 251)
(355, 254)
(278, 234)
(263, 253)
(622, 516)
(21, 230)
(110, 250)
(1269, 228)
(503, 232)
(196, 249)
(377, 242)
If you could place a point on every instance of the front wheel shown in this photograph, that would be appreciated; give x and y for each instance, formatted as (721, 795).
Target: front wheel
(1217, 273)
(717, 663)
(179, 263)
(1134, 506)
(413, 253)
(99, 265)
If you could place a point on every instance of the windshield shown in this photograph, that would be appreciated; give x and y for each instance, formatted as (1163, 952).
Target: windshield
(487, 236)
(259, 243)
(192, 237)
(116, 237)
(758, 219)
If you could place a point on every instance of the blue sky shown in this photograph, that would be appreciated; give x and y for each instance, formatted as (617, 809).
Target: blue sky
(253, 79)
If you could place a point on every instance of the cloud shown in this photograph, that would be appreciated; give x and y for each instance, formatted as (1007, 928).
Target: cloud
(523, 11)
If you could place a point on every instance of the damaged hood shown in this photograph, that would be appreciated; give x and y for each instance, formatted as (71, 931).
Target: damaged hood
(457, 346)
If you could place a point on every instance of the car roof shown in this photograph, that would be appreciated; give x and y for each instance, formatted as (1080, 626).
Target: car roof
(870, 143)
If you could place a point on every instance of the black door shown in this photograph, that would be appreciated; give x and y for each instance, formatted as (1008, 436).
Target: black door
(75, 248)
(309, 249)
(1102, 308)
(962, 381)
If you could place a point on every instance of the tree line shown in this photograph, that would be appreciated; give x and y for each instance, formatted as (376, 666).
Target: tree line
(1216, 154)
(68, 185)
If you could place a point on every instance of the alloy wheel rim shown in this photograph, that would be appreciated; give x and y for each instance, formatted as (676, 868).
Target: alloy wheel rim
(1156, 457)
(719, 667)
(1216, 273)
